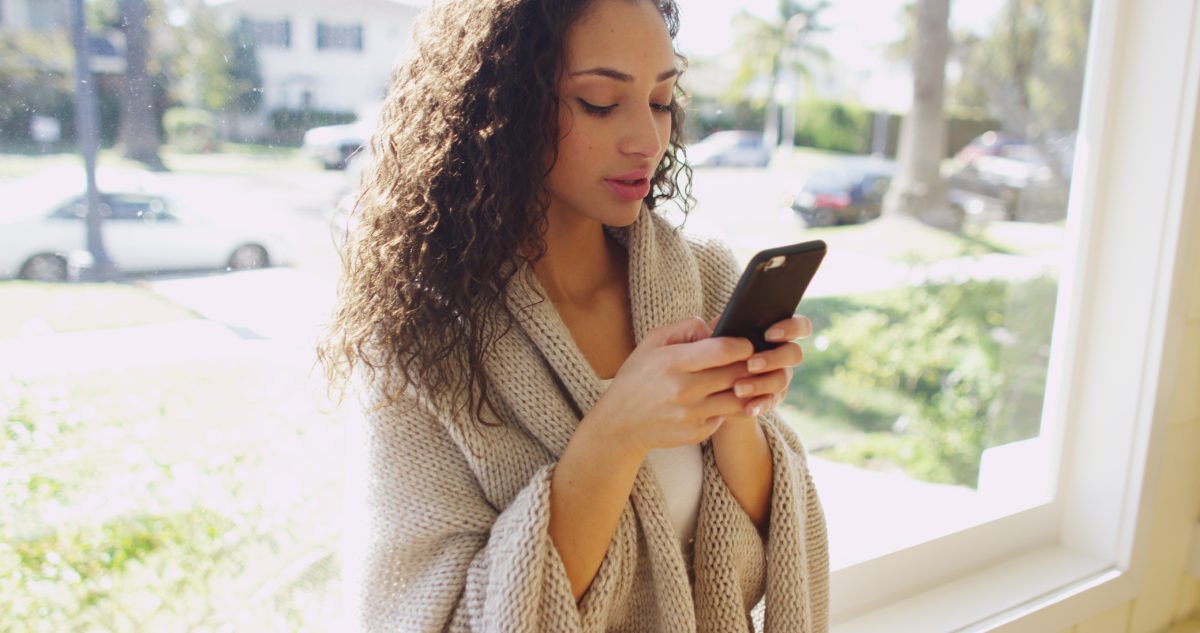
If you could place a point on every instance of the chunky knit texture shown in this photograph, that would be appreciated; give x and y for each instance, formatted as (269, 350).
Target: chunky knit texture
(458, 511)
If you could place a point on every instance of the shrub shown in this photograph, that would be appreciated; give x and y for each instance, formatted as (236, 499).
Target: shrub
(191, 129)
(833, 126)
(931, 376)
(290, 125)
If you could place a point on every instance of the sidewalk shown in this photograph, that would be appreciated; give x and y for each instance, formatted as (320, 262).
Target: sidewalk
(248, 313)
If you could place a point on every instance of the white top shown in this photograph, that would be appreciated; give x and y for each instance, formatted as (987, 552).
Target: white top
(680, 474)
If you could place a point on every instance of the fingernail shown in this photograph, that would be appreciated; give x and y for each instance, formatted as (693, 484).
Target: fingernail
(756, 409)
(756, 364)
(742, 390)
(775, 334)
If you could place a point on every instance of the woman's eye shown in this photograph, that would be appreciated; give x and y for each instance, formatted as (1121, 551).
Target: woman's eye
(591, 108)
(666, 108)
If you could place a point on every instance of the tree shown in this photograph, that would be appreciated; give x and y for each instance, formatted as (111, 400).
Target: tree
(776, 47)
(917, 190)
(139, 120)
(213, 68)
(1028, 72)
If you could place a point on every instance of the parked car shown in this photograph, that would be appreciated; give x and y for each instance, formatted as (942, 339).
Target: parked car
(334, 145)
(1015, 184)
(847, 192)
(991, 143)
(730, 148)
(143, 231)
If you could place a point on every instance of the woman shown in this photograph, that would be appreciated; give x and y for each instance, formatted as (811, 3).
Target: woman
(554, 440)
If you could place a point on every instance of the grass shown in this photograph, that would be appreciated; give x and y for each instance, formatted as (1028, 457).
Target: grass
(244, 451)
(38, 307)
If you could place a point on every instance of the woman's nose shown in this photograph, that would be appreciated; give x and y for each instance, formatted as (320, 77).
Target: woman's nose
(644, 134)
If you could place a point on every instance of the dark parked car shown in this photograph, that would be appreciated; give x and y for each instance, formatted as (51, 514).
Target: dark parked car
(847, 192)
(1016, 184)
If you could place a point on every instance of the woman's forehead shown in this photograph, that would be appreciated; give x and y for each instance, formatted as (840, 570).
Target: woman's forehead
(627, 35)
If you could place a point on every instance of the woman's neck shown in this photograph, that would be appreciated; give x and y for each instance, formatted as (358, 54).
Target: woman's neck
(580, 261)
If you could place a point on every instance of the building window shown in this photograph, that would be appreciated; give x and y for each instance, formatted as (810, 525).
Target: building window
(346, 37)
(269, 33)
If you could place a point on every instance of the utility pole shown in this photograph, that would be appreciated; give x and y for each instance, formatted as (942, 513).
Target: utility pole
(88, 130)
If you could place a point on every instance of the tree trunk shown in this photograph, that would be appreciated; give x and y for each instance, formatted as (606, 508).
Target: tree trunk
(918, 189)
(139, 124)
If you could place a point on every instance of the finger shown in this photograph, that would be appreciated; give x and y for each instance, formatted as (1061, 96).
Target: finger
(711, 352)
(718, 379)
(791, 329)
(763, 384)
(786, 355)
(682, 331)
(762, 404)
(719, 404)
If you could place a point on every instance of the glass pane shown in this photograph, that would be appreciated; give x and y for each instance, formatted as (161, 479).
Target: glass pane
(172, 462)
(920, 398)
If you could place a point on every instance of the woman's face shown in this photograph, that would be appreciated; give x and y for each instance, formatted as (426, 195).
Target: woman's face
(615, 112)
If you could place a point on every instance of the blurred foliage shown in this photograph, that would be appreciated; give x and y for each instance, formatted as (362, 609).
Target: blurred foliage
(290, 125)
(1028, 72)
(194, 62)
(35, 70)
(161, 499)
(771, 48)
(191, 129)
(833, 126)
(930, 376)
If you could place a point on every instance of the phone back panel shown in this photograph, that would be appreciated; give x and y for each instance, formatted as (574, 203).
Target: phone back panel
(769, 291)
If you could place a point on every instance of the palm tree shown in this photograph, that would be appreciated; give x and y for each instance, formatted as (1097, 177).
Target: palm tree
(139, 124)
(775, 49)
(918, 189)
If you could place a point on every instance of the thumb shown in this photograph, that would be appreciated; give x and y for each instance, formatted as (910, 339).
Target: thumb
(686, 331)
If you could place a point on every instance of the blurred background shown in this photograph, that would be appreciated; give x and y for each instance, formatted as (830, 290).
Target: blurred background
(169, 459)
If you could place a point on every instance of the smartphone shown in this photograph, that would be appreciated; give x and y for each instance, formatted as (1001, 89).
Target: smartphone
(769, 291)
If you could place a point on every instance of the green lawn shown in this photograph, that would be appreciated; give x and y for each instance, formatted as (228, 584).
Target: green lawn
(183, 496)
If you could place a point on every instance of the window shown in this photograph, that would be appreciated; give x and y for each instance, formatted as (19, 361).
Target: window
(346, 37)
(168, 446)
(269, 33)
(1077, 553)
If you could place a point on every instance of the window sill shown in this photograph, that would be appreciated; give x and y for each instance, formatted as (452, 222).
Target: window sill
(1047, 589)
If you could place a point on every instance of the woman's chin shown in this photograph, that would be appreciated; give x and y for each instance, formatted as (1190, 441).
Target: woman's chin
(625, 219)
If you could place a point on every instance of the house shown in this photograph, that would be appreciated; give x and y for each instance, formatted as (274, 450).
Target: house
(320, 56)
(33, 15)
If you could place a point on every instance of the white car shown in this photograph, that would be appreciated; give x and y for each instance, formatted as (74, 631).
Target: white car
(42, 234)
(334, 145)
(730, 148)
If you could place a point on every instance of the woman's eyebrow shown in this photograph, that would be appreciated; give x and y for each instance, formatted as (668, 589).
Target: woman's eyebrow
(620, 76)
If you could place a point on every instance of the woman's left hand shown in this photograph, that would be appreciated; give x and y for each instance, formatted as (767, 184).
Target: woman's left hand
(769, 373)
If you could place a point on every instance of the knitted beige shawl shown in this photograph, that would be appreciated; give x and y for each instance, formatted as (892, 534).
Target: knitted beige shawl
(456, 537)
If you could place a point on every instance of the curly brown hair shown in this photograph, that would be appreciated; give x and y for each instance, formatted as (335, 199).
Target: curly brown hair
(455, 200)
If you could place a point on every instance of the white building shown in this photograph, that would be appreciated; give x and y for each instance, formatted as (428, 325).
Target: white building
(321, 55)
(33, 15)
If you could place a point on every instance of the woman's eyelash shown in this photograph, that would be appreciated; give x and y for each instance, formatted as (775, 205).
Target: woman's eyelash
(591, 108)
(595, 109)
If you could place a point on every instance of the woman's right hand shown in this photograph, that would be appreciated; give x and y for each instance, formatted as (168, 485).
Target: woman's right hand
(675, 388)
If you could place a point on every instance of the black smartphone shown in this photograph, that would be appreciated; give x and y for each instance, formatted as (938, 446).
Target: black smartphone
(769, 291)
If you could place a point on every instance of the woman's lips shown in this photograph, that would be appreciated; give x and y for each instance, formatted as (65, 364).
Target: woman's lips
(629, 186)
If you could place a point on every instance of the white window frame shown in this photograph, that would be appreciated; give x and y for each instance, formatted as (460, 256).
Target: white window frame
(1111, 368)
